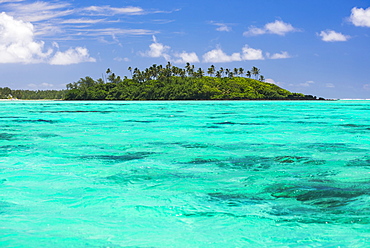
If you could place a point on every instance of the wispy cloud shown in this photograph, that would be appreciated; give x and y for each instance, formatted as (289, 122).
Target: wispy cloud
(40, 86)
(51, 18)
(222, 27)
(278, 27)
(282, 55)
(332, 36)
(18, 45)
(329, 85)
(39, 11)
(272, 81)
(161, 21)
(119, 59)
(116, 31)
(82, 21)
(360, 17)
(307, 83)
(10, 1)
(108, 10)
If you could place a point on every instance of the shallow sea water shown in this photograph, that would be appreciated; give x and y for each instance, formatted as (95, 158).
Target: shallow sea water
(185, 174)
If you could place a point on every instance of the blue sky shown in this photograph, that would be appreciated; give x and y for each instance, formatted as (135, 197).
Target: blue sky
(319, 47)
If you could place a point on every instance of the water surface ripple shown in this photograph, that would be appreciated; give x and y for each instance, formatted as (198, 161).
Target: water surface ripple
(185, 174)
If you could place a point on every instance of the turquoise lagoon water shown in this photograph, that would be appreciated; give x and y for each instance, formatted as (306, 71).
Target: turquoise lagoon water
(185, 174)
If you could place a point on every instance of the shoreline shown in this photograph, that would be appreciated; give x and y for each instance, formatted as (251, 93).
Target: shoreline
(10, 100)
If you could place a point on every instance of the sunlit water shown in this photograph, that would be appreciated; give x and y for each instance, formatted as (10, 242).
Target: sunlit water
(185, 174)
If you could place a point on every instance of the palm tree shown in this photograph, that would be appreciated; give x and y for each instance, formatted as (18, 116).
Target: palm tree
(130, 69)
(210, 71)
(154, 70)
(200, 73)
(136, 74)
(222, 71)
(227, 72)
(189, 69)
(262, 78)
(182, 73)
(255, 71)
(241, 71)
(248, 74)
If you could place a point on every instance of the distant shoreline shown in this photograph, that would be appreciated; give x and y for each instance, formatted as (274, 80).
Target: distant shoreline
(10, 100)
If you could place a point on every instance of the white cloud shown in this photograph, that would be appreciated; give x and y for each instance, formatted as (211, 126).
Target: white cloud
(72, 56)
(360, 17)
(271, 81)
(307, 83)
(107, 10)
(157, 50)
(119, 59)
(332, 36)
(185, 57)
(329, 85)
(81, 21)
(41, 86)
(53, 17)
(45, 16)
(128, 10)
(10, 1)
(117, 31)
(277, 27)
(222, 27)
(40, 11)
(218, 56)
(254, 31)
(17, 45)
(47, 85)
(282, 55)
(251, 53)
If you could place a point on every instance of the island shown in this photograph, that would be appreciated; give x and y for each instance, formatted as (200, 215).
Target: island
(169, 83)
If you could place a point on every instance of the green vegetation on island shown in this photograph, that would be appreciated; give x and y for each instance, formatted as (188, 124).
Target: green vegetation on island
(174, 83)
(7, 93)
(168, 83)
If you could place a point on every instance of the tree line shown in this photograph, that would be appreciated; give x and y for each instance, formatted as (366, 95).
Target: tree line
(159, 72)
(173, 83)
(7, 93)
(168, 83)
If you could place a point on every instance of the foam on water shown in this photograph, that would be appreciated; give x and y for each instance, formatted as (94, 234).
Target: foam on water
(185, 174)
